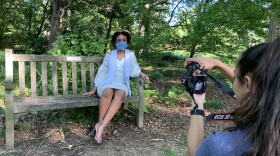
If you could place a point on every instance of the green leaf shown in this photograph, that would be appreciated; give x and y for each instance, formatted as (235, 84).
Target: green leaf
(171, 94)
(168, 102)
(145, 109)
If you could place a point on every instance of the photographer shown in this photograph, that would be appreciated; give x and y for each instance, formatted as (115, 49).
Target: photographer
(256, 83)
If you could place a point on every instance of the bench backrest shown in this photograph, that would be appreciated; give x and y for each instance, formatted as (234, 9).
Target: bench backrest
(61, 68)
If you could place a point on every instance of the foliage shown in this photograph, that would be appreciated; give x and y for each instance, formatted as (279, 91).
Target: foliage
(213, 104)
(83, 43)
(2, 67)
(26, 37)
(195, 26)
(169, 152)
(174, 93)
(26, 126)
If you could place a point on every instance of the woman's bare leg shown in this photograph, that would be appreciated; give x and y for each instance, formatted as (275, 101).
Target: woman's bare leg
(104, 103)
(116, 103)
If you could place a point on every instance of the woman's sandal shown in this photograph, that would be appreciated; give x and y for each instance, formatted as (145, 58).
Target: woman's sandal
(92, 132)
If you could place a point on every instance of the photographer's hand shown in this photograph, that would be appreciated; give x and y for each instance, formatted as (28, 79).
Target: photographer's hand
(207, 63)
(199, 99)
(210, 63)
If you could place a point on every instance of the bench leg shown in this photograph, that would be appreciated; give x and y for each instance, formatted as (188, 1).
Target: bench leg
(140, 114)
(9, 121)
(125, 108)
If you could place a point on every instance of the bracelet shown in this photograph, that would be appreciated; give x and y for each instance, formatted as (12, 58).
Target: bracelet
(197, 112)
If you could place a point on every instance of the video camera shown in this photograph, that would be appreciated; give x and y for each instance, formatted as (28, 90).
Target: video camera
(195, 84)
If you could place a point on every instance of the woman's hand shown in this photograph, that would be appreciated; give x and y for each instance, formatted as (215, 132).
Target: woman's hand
(199, 99)
(92, 92)
(145, 77)
(207, 63)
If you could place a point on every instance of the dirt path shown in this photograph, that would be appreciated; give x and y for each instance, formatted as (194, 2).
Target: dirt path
(162, 135)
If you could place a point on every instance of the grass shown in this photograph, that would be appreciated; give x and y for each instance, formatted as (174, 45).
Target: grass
(169, 152)
(26, 126)
(214, 105)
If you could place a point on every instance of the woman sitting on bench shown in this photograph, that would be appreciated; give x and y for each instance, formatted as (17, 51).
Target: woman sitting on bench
(112, 81)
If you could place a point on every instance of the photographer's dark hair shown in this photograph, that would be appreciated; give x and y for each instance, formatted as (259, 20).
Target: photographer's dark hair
(116, 34)
(259, 115)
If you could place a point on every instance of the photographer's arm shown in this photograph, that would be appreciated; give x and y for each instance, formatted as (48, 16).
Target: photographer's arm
(196, 127)
(210, 63)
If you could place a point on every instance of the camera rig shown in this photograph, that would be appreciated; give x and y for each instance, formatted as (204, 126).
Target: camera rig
(196, 84)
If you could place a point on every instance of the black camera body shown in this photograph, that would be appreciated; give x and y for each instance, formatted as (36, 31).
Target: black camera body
(194, 84)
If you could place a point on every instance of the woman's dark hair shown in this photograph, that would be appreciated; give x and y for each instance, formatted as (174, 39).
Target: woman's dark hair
(259, 114)
(116, 34)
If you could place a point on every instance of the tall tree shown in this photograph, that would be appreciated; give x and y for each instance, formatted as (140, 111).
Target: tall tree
(59, 12)
(274, 25)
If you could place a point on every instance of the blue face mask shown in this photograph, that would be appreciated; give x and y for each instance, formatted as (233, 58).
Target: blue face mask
(121, 45)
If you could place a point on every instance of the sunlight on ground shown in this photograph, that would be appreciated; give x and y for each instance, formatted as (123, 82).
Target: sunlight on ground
(148, 68)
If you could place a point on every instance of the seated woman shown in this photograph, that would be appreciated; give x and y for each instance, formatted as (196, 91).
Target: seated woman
(112, 81)
(256, 83)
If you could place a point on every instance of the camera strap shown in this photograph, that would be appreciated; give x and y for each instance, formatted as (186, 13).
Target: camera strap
(222, 117)
(226, 90)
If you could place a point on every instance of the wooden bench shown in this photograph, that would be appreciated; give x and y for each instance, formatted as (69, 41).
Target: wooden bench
(53, 92)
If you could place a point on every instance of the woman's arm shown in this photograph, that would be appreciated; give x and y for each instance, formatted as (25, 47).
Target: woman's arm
(102, 72)
(210, 63)
(100, 76)
(145, 77)
(196, 127)
(92, 92)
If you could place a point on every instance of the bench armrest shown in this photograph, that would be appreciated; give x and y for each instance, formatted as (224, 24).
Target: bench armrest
(137, 79)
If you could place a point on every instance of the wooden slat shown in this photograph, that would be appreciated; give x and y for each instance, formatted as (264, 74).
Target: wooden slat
(44, 78)
(28, 104)
(37, 104)
(91, 74)
(83, 77)
(54, 78)
(64, 78)
(33, 79)
(74, 78)
(48, 58)
(21, 78)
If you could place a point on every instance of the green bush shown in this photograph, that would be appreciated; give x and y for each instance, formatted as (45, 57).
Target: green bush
(79, 43)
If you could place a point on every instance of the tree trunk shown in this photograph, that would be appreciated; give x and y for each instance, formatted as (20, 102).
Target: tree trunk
(146, 28)
(59, 11)
(193, 50)
(147, 41)
(274, 28)
(108, 32)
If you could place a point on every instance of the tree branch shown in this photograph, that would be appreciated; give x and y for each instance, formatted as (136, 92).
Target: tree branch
(42, 19)
(178, 25)
(172, 13)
